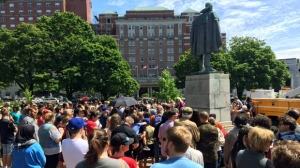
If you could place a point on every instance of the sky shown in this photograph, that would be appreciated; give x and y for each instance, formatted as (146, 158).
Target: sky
(275, 21)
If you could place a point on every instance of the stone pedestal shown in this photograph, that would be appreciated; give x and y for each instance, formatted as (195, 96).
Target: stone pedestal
(211, 93)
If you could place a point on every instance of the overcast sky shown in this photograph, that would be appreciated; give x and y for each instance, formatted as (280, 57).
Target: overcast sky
(275, 21)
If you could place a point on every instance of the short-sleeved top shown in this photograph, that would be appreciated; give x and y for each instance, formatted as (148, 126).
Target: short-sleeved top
(131, 162)
(124, 128)
(90, 125)
(16, 117)
(162, 134)
(181, 162)
(103, 163)
(7, 129)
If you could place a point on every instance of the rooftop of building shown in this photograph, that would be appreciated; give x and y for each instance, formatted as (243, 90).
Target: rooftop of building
(190, 10)
(150, 8)
(109, 12)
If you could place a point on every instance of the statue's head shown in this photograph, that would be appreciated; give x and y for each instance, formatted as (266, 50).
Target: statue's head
(208, 5)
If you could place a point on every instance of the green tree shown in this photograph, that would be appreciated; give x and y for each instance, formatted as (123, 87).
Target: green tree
(22, 53)
(254, 65)
(108, 72)
(189, 64)
(68, 36)
(168, 90)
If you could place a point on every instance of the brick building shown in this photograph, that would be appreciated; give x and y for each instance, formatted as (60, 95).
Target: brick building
(13, 12)
(151, 39)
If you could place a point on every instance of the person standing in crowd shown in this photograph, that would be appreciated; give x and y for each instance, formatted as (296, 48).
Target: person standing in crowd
(172, 116)
(231, 138)
(27, 152)
(29, 118)
(97, 153)
(185, 121)
(120, 143)
(50, 140)
(178, 140)
(15, 114)
(286, 154)
(287, 126)
(7, 129)
(91, 123)
(126, 129)
(149, 141)
(208, 141)
(74, 148)
(241, 144)
(259, 142)
(295, 114)
(104, 116)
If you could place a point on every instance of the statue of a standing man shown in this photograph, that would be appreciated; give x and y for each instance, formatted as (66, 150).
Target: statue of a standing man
(205, 37)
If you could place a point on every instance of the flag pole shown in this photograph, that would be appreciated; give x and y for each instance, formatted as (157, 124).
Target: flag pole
(137, 71)
(157, 71)
(147, 72)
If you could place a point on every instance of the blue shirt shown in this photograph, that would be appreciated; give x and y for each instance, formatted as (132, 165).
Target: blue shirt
(16, 116)
(180, 162)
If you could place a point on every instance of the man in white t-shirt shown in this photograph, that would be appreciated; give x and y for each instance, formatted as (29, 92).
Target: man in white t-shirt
(74, 148)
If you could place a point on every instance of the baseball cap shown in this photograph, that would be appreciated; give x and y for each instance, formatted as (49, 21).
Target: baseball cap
(120, 139)
(187, 111)
(105, 108)
(76, 123)
(147, 120)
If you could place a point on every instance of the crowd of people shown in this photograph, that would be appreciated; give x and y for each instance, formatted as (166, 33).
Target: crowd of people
(95, 135)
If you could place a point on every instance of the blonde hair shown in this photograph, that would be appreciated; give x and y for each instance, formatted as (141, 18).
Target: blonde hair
(260, 138)
(181, 138)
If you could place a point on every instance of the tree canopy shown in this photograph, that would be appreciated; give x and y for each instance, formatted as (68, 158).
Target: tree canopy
(168, 90)
(250, 62)
(61, 52)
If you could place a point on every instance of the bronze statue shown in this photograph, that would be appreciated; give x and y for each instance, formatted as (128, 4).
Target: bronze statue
(205, 37)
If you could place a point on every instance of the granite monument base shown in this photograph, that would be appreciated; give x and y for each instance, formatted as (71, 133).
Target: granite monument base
(211, 93)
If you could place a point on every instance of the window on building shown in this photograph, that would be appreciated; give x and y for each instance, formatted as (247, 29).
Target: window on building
(57, 4)
(11, 12)
(21, 12)
(121, 35)
(39, 4)
(191, 18)
(48, 4)
(141, 51)
(2, 12)
(132, 35)
(151, 58)
(160, 42)
(168, 42)
(170, 66)
(57, 10)
(11, 5)
(3, 26)
(179, 26)
(180, 50)
(131, 27)
(30, 12)
(12, 19)
(160, 34)
(132, 59)
(12, 26)
(2, 5)
(160, 50)
(107, 20)
(20, 5)
(39, 11)
(161, 58)
(160, 26)
(3, 19)
(29, 5)
(121, 27)
(30, 18)
(161, 66)
(21, 19)
(122, 52)
(133, 43)
(141, 43)
(142, 59)
(170, 58)
(141, 27)
(179, 42)
(141, 35)
(121, 43)
(48, 11)
(131, 51)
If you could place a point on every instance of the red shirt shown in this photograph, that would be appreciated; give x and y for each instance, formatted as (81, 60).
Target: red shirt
(131, 163)
(89, 126)
(40, 121)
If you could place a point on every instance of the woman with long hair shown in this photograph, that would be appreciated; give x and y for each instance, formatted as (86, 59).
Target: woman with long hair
(50, 139)
(97, 156)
